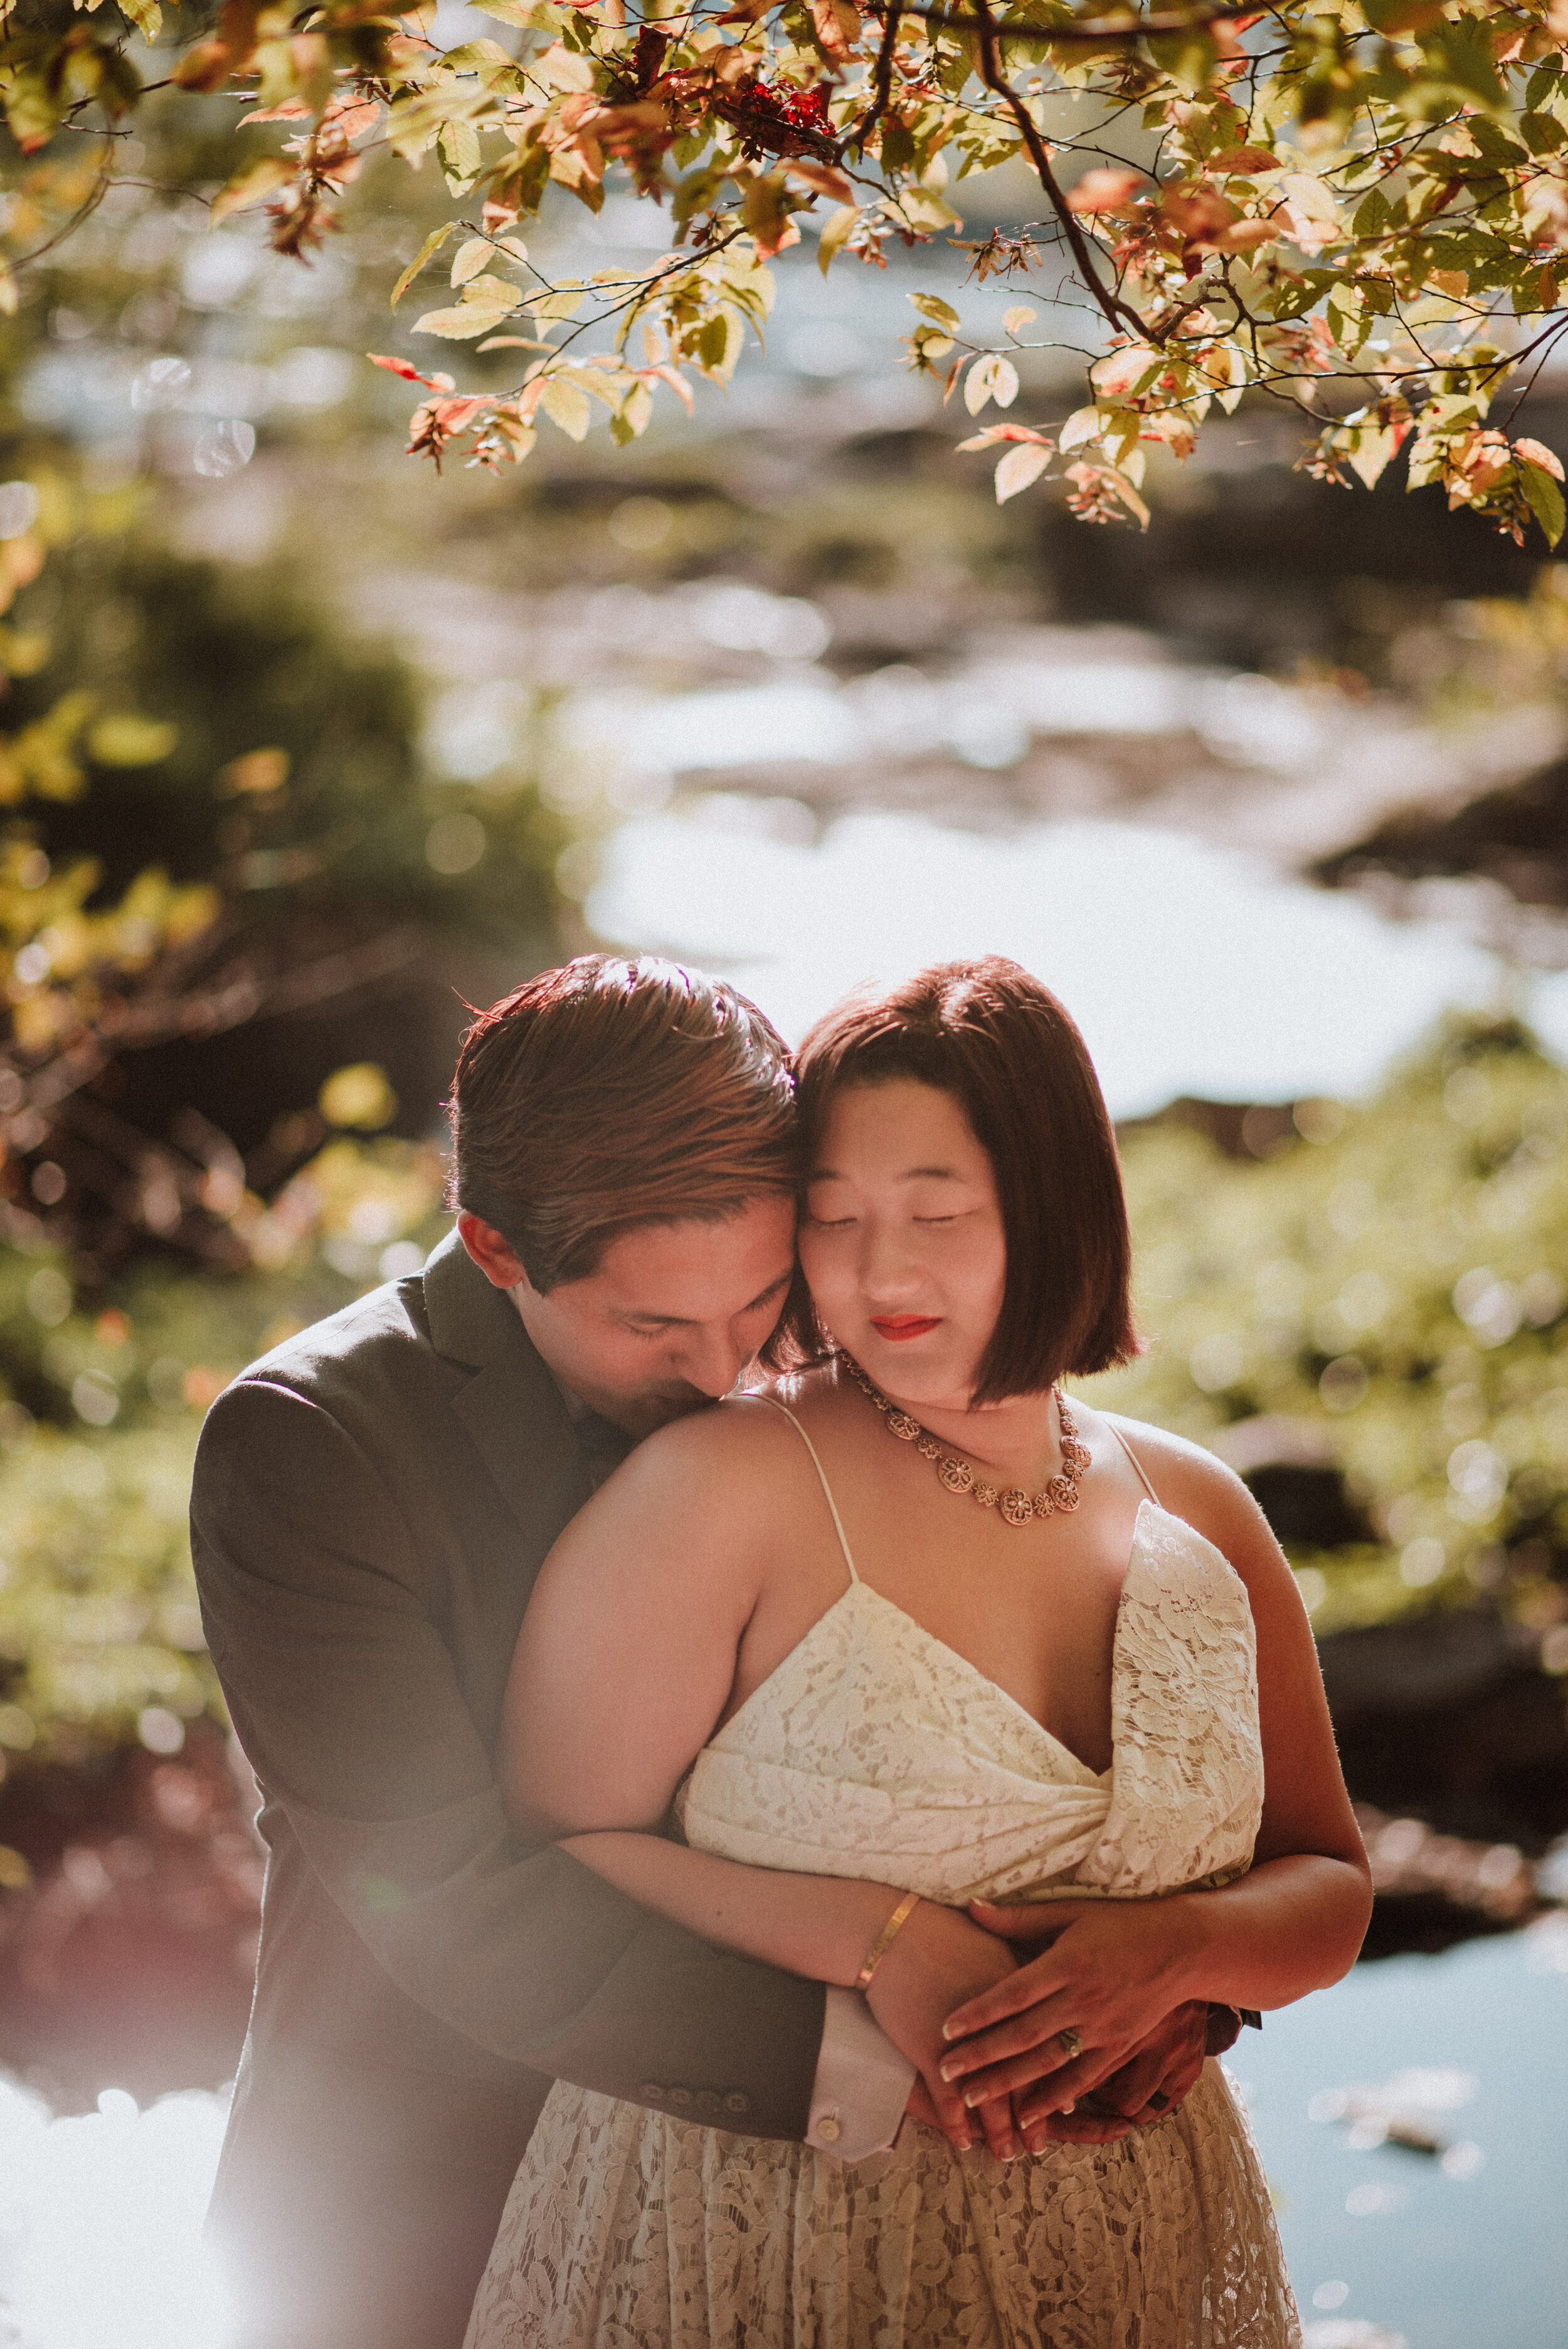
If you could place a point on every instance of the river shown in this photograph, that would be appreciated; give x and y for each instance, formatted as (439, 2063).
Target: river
(1464, 2250)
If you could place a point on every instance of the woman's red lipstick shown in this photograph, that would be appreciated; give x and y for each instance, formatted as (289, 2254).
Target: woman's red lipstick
(898, 1326)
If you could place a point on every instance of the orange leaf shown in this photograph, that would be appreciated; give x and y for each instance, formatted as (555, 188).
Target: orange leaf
(397, 367)
(838, 26)
(1105, 190)
(1536, 452)
(822, 180)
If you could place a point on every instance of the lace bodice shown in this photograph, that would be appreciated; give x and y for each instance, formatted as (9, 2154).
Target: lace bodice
(875, 1750)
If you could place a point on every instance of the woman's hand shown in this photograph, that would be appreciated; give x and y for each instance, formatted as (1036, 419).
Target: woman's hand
(1110, 1972)
(936, 1958)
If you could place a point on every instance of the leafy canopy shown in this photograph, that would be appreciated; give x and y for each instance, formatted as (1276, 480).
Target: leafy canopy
(1358, 208)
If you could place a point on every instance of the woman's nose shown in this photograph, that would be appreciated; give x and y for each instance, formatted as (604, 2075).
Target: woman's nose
(886, 1270)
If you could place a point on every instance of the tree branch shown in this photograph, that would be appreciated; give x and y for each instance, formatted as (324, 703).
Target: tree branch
(1071, 35)
(1118, 313)
(883, 84)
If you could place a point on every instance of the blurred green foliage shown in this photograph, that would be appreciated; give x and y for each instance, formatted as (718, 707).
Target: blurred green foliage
(235, 662)
(306, 852)
(1387, 1286)
(100, 1635)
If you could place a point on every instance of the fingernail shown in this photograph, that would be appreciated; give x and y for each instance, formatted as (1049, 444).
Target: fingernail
(1036, 2143)
(950, 2071)
(948, 2031)
(1010, 2148)
(973, 2097)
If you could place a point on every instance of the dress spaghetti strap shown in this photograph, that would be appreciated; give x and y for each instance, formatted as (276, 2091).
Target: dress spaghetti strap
(822, 1473)
(1132, 1455)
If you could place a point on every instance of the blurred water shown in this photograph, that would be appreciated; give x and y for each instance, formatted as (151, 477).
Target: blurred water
(100, 2221)
(1467, 2251)
(1190, 968)
(100, 2216)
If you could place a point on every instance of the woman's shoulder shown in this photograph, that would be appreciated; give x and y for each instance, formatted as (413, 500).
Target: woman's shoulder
(729, 1444)
(1192, 1484)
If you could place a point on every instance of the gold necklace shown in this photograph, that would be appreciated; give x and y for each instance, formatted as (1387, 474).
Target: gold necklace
(1017, 1506)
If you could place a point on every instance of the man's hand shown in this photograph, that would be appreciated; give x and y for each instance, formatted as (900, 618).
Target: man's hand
(936, 1962)
(1151, 2083)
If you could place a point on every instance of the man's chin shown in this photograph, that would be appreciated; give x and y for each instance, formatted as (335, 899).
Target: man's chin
(645, 1414)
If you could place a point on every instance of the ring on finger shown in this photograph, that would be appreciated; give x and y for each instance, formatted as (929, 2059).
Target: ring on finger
(1070, 2044)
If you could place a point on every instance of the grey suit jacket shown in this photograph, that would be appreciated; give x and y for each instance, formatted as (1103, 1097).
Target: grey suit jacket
(372, 1502)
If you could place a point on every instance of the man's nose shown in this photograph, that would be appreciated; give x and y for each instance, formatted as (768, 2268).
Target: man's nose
(713, 1359)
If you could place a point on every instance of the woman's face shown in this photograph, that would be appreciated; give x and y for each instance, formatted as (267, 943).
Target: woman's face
(903, 1241)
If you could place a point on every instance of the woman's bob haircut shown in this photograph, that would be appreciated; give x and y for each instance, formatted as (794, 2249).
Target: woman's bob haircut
(1004, 1046)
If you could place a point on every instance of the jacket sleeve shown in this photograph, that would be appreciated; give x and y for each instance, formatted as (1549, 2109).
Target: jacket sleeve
(346, 1701)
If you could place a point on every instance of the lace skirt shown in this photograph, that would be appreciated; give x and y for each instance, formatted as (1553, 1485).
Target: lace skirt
(627, 2230)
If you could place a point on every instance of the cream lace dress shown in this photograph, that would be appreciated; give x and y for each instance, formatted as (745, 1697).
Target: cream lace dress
(875, 1751)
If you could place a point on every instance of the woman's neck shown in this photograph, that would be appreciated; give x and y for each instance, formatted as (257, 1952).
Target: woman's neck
(1014, 1442)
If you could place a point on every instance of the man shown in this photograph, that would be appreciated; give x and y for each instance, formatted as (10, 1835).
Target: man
(372, 1502)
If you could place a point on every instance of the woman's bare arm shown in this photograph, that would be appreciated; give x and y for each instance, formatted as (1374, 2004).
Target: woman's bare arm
(623, 1666)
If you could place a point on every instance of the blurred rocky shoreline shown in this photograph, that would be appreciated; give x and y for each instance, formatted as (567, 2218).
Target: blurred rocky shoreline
(131, 1890)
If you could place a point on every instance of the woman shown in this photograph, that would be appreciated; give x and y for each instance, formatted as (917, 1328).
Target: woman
(911, 1621)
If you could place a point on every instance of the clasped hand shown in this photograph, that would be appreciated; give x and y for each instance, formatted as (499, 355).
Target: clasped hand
(1106, 1972)
(981, 2026)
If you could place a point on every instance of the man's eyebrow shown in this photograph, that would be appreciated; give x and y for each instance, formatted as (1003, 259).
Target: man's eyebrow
(683, 1321)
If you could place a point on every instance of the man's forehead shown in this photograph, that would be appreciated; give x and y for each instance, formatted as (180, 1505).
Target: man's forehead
(665, 1269)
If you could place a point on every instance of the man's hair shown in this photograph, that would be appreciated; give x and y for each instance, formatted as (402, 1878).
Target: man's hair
(1004, 1047)
(611, 1094)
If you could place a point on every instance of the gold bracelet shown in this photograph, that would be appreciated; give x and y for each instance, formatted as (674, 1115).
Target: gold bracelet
(885, 1939)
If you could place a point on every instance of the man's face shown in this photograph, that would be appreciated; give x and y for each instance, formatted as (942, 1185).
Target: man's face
(670, 1319)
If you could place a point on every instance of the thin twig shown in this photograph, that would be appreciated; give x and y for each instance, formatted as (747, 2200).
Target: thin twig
(881, 88)
(1097, 35)
(1118, 314)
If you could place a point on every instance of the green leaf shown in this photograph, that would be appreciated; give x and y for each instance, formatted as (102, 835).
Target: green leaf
(1466, 61)
(1296, 297)
(1372, 215)
(431, 245)
(941, 312)
(1188, 57)
(463, 323)
(1542, 133)
(535, 15)
(1544, 498)
(835, 235)
(566, 404)
(897, 150)
(1495, 145)
(252, 186)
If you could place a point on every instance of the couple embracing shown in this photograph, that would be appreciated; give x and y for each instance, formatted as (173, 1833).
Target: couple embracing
(771, 1808)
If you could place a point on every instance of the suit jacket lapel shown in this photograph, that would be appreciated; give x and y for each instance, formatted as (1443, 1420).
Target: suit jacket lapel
(512, 1406)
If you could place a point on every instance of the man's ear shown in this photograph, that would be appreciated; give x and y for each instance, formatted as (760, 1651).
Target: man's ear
(494, 1255)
